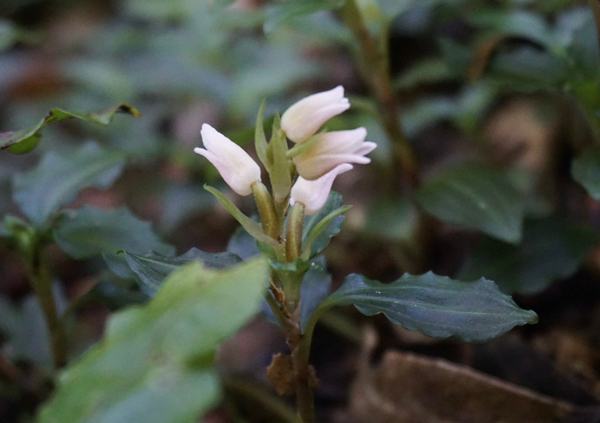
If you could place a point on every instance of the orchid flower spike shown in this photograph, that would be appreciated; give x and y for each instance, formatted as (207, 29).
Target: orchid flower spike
(313, 194)
(304, 118)
(236, 167)
(332, 149)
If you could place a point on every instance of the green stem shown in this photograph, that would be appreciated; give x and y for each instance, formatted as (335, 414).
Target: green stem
(39, 277)
(373, 62)
(266, 209)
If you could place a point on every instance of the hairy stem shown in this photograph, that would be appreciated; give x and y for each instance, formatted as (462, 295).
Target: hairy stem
(373, 62)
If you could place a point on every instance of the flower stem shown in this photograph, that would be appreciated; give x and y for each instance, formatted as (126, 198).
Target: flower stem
(373, 62)
(39, 277)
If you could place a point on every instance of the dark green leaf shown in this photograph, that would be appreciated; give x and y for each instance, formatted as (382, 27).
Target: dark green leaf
(584, 47)
(551, 249)
(476, 197)
(317, 232)
(314, 289)
(59, 178)
(435, 305)
(24, 140)
(585, 169)
(425, 72)
(242, 244)
(153, 268)
(154, 364)
(88, 231)
(285, 11)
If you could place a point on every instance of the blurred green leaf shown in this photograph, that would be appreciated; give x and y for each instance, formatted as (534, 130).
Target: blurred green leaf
(585, 169)
(477, 197)
(551, 249)
(280, 13)
(392, 218)
(155, 363)
(152, 269)
(434, 305)
(59, 178)
(427, 71)
(521, 23)
(24, 140)
(88, 231)
(528, 69)
(584, 48)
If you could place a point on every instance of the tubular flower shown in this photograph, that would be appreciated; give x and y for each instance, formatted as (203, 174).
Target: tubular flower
(332, 149)
(313, 194)
(236, 167)
(304, 118)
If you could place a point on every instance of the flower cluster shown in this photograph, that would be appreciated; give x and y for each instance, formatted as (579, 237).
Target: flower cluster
(322, 156)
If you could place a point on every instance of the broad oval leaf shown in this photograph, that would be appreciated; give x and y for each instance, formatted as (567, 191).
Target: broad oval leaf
(152, 269)
(155, 363)
(24, 140)
(88, 231)
(585, 169)
(477, 197)
(59, 178)
(435, 305)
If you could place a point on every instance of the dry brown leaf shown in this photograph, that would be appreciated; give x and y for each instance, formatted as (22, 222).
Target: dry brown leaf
(406, 388)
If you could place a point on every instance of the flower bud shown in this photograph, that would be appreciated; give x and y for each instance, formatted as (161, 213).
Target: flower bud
(236, 167)
(332, 149)
(304, 118)
(313, 194)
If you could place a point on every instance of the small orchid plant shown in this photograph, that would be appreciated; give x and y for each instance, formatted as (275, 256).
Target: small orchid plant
(301, 178)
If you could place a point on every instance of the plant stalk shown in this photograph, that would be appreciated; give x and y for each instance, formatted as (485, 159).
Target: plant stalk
(373, 63)
(39, 277)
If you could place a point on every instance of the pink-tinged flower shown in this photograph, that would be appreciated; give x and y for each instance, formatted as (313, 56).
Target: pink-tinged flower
(303, 119)
(332, 149)
(313, 194)
(236, 167)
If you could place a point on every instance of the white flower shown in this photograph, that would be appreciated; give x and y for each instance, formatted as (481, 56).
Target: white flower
(236, 167)
(332, 149)
(304, 118)
(313, 194)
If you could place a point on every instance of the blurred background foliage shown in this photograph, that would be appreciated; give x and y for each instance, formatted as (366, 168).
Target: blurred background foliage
(512, 85)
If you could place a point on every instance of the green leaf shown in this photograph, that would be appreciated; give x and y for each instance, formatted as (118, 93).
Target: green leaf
(518, 23)
(476, 197)
(434, 305)
(59, 178)
(24, 140)
(260, 140)
(279, 172)
(314, 289)
(528, 69)
(155, 363)
(427, 71)
(88, 231)
(153, 268)
(285, 11)
(392, 218)
(585, 169)
(551, 249)
(320, 227)
(253, 228)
